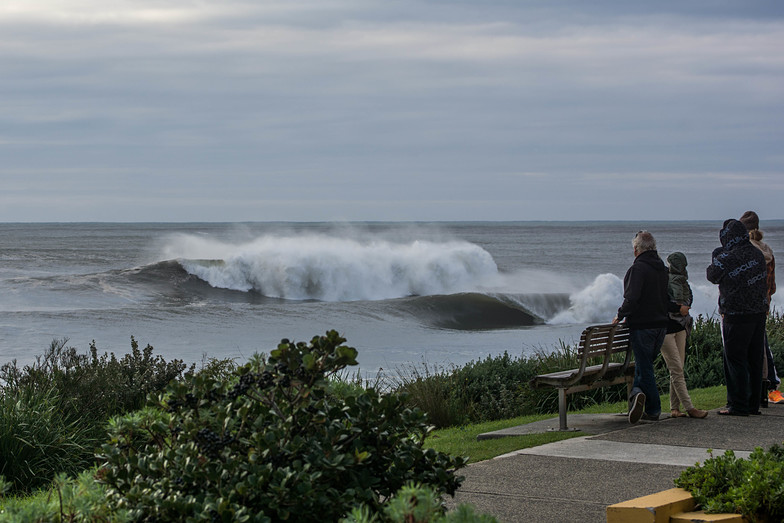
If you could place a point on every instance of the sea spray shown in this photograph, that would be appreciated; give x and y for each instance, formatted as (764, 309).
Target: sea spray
(599, 302)
(331, 268)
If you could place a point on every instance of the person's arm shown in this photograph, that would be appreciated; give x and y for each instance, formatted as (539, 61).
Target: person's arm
(715, 271)
(632, 290)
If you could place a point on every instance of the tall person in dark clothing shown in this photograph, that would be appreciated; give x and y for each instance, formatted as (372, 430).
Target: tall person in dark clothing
(645, 307)
(738, 267)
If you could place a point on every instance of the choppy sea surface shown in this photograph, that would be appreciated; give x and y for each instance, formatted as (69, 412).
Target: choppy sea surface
(403, 294)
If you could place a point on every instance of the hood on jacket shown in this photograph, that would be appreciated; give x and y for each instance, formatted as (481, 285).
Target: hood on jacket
(677, 262)
(733, 233)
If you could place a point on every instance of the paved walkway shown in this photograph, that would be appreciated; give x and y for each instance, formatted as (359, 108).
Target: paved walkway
(575, 480)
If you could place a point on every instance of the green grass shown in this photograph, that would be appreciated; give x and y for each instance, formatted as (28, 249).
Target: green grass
(461, 441)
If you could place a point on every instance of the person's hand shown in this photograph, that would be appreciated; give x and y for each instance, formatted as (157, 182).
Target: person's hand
(615, 320)
(685, 310)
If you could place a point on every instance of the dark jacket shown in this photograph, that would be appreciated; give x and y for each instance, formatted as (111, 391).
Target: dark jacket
(739, 269)
(645, 300)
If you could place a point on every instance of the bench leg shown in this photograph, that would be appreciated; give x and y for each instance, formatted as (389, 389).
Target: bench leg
(562, 408)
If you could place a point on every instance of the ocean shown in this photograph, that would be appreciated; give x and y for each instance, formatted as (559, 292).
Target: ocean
(403, 294)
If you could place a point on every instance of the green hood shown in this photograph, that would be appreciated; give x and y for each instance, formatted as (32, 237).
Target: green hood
(677, 263)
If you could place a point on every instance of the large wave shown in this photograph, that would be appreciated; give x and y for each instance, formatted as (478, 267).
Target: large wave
(331, 268)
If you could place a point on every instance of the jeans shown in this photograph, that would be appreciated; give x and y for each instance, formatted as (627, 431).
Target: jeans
(646, 344)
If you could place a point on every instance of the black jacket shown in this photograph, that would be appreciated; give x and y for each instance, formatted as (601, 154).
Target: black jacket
(645, 299)
(739, 269)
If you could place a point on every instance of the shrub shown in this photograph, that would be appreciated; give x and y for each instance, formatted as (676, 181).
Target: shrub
(36, 441)
(53, 413)
(91, 388)
(729, 484)
(271, 445)
(69, 499)
(414, 503)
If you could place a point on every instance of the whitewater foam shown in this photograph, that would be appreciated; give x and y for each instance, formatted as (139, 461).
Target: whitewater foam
(330, 268)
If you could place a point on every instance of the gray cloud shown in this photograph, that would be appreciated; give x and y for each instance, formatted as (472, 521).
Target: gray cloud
(370, 110)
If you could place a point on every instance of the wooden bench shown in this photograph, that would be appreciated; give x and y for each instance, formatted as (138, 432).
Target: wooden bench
(597, 367)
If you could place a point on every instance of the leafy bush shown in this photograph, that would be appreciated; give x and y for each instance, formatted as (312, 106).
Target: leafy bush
(69, 499)
(92, 388)
(414, 503)
(273, 444)
(36, 441)
(53, 413)
(729, 484)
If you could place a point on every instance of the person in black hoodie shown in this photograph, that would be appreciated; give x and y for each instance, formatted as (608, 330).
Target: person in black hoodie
(645, 308)
(738, 267)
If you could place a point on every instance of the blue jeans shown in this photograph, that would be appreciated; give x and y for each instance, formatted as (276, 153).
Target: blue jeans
(646, 344)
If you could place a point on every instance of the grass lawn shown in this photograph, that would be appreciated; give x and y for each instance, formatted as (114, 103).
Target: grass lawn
(461, 441)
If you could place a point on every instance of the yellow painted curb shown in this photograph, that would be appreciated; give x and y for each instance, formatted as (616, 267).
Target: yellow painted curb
(702, 517)
(655, 508)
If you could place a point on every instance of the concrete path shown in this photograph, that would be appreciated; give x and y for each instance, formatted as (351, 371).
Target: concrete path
(575, 480)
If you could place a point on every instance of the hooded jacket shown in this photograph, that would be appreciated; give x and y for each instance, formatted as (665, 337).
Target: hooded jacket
(679, 292)
(738, 267)
(645, 300)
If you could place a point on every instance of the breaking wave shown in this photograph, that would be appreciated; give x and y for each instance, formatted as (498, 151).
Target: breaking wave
(337, 269)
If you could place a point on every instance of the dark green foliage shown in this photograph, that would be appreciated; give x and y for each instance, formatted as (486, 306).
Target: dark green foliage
(37, 442)
(94, 387)
(752, 487)
(414, 503)
(273, 444)
(54, 412)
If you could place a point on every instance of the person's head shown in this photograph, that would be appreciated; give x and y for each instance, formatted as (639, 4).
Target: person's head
(677, 263)
(750, 220)
(732, 234)
(643, 241)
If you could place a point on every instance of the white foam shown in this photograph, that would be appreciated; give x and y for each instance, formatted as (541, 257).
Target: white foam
(331, 268)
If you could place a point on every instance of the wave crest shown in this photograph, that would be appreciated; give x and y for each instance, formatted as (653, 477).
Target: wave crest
(336, 269)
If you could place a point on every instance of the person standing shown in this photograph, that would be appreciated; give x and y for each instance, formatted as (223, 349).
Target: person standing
(739, 270)
(645, 307)
(769, 375)
(678, 327)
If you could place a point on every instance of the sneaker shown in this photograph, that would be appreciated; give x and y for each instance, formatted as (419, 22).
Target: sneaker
(636, 408)
(649, 417)
(775, 396)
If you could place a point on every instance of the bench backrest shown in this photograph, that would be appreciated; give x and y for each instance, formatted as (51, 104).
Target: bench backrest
(602, 341)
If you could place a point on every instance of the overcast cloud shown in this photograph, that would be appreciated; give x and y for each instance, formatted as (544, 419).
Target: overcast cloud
(231, 110)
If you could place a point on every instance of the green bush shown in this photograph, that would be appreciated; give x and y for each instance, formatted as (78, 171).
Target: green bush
(414, 503)
(36, 441)
(68, 500)
(728, 484)
(273, 444)
(53, 413)
(92, 388)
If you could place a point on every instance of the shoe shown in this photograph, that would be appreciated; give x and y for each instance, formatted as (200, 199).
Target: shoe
(649, 417)
(775, 396)
(636, 408)
(697, 413)
(730, 412)
(676, 413)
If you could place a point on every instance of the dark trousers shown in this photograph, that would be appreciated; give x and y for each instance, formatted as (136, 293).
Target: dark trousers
(744, 345)
(646, 344)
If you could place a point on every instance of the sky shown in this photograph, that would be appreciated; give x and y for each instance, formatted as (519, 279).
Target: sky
(333, 110)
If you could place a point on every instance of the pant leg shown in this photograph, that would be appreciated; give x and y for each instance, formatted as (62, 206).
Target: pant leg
(674, 351)
(756, 357)
(772, 375)
(646, 344)
(743, 352)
